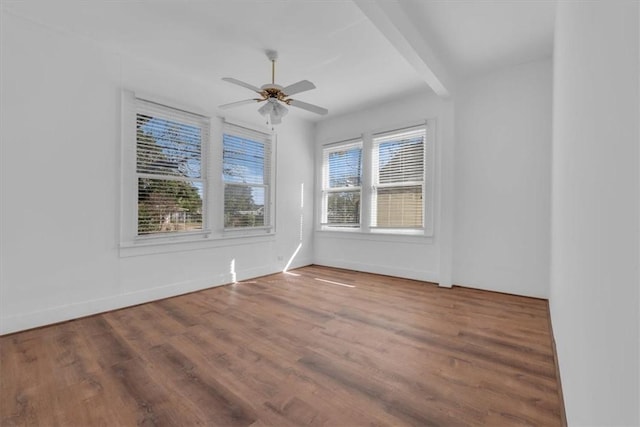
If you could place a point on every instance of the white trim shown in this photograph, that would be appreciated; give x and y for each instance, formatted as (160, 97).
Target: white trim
(425, 276)
(326, 189)
(394, 136)
(269, 141)
(167, 236)
(366, 194)
(409, 231)
(394, 128)
(213, 233)
(400, 131)
(63, 313)
(128, 215)
(356, 234)
(343, 145)
(367, 190)
(167, 103)
(303, 262)
(131, 103)
(23, 321)
(193, 244)
(430, 152)
(251, 230)
(328, 142)
(443, 192)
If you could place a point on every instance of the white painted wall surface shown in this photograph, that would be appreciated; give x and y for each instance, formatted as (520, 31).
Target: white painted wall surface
(502, 180)
(61, 187)
(595, 211)
(404, 256)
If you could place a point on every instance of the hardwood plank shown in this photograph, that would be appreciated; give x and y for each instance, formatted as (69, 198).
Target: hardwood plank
(193, 383)
(291, 350)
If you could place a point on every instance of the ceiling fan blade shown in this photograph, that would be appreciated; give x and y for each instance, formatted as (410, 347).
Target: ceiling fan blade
(301, 86)
(238, 103)
(243, 84)
(308, 107)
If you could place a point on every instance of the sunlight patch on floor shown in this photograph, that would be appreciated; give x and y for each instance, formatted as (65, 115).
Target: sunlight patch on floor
(335, 283)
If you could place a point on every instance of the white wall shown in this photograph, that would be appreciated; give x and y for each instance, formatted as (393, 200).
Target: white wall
(502, 180)
(61, 187)
(500, 208)
(415, 257)
(595, 211)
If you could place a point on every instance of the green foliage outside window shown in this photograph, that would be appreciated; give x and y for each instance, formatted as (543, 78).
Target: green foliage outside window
(165, 149)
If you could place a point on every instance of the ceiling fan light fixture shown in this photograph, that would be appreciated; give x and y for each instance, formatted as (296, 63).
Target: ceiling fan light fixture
(266, 109)
(274, 110)
(275, 120)
(279, 109)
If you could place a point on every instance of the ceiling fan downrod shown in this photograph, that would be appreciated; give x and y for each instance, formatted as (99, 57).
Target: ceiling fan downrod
(272, 55)
(273, 71)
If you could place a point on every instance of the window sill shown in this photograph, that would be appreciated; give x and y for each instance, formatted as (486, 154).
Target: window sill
(201, 241)
(377, 235)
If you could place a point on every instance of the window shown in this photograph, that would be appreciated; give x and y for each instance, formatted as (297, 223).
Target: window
(381, 183)
(398, 179)
(170, 175)
(341, 185)
(182, 190)
(246, 170)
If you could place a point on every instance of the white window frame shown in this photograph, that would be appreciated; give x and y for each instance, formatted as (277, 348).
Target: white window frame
(367, 195)
(269, 141)
(131, 106)
(326, 189)
(213, 233)
(376, 140)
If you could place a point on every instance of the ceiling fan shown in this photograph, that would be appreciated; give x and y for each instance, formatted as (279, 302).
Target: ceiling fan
(276, 96)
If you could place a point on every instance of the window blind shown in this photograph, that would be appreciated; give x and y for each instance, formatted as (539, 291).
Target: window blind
(169, 169)
(398, 179)
(246, 161)
(342, 176)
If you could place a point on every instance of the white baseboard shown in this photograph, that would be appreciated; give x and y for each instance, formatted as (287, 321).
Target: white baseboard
(426, 276)
(299, 263)
(66, 312)
(21, 322)
(266, 270)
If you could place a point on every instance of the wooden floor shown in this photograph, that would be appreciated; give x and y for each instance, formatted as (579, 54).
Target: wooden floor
(290, 350)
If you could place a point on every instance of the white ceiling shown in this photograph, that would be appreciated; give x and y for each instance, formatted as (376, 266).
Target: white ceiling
(476, 36)
(331, 42)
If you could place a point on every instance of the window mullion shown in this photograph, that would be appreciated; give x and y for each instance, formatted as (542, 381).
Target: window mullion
(342, 189)
(168, 177)
(399, 184)
(367, 182)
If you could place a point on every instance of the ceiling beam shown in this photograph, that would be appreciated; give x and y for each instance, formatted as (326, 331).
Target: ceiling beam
(395, 25)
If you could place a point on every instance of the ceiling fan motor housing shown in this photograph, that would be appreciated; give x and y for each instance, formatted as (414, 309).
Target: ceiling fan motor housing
(273, 91)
